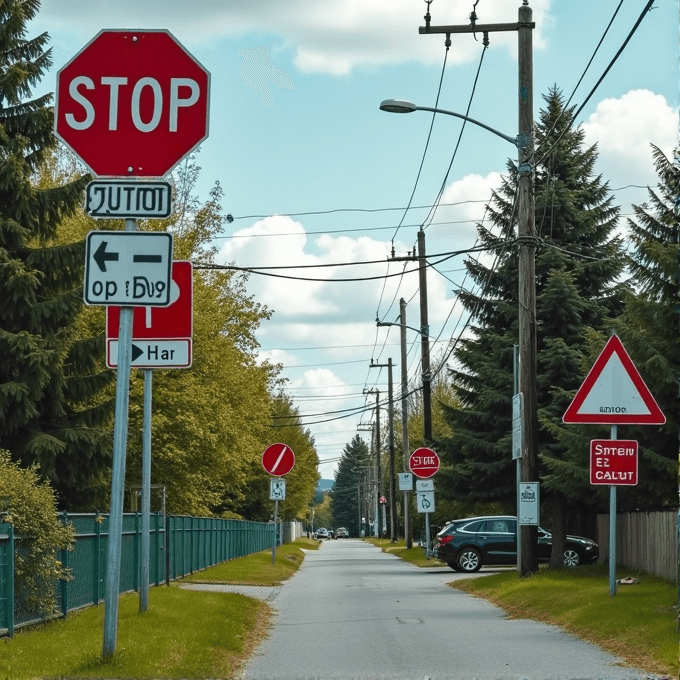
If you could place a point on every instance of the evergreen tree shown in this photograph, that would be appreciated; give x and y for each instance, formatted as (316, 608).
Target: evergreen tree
(51, 410)
(649, 330)
(578, 262)
(345, 492)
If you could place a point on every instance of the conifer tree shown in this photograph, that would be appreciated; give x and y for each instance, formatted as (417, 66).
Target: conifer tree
(649, 329)
(345, 501)
(578, 262)
(51, 413)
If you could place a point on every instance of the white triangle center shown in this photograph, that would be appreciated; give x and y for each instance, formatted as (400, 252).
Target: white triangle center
(614, 392)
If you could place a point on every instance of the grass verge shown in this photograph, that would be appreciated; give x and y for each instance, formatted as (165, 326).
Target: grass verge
(184, 634)
(257, 569)
(415, 555)
(637, 624)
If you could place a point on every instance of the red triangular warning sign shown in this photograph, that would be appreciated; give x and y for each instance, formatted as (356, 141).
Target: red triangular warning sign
(614, 393)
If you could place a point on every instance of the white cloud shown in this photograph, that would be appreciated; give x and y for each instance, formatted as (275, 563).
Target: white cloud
(327, 36)
(624, 128)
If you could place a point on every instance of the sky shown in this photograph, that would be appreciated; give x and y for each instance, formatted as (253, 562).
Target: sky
(314, 174)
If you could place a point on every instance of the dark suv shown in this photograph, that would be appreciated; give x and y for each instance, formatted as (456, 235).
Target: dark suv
(467, 544)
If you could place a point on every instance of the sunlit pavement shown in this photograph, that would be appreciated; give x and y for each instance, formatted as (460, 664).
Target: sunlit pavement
(354, 612)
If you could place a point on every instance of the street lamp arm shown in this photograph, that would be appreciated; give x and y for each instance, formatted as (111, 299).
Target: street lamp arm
(404, 106)
(402, 325)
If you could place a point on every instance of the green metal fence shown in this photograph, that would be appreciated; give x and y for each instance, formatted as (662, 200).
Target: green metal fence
(178, 546)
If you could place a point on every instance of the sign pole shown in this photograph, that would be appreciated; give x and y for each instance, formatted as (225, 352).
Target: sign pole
(612, 530)
(146, 491)
(276, 519)
(120, 431)
(427, 535)
(278, 460)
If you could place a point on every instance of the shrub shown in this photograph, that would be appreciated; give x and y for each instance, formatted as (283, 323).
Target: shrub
(29, 504)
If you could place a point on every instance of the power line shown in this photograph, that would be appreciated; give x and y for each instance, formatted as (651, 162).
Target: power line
(647, 8)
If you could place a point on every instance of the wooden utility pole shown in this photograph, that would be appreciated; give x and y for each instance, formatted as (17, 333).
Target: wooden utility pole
(527, 247)
(424, 341)
(527, 279)
(377, 458)
(404, 419)
(390, 435)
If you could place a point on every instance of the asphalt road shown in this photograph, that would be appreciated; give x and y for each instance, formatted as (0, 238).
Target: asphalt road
(354, 612)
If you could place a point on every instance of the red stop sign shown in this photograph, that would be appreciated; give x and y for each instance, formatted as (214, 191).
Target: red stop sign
(278, 459)
(132, 103)
(423, 463)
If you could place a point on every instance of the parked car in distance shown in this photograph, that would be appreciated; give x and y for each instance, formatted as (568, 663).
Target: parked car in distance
(331, 533)
(468, 544)
(341, 532)
(320, 534)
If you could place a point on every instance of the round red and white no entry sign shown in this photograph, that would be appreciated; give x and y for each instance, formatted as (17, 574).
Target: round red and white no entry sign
(278, 459)
(423, 463)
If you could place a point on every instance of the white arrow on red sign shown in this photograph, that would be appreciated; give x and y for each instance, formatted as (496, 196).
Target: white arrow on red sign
(174, 321)
(162, 334)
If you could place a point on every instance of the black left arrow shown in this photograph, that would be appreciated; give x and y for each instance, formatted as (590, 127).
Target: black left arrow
(101, 257)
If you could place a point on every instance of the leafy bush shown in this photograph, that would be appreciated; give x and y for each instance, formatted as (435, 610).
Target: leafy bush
(29, 504)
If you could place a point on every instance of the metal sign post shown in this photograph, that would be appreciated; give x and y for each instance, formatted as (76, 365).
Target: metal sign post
(612, 529)
(277, 492)
(146, 492)
(425, 504)
(406, 485)
(120, 430)
(277, 460)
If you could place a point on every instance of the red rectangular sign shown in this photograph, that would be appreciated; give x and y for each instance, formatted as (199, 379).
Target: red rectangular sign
(614, 462)
(161, 323)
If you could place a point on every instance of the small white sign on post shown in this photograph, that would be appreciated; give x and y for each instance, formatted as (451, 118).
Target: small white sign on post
(126, 199)
(425, 501)
(529, 504)
(405, 481)
(517, 426)
(277, 489)
(424, 484)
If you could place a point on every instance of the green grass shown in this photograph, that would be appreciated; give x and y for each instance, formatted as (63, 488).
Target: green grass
(638, 623)
(415, 555)
(257, 569)
(184, 634)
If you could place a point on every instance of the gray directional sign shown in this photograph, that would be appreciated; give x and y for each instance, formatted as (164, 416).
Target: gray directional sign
(128, 268)
(126, 199)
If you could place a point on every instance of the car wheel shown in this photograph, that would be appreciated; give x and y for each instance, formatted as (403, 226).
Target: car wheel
(454, 566)
(469, 560)
(571, 558)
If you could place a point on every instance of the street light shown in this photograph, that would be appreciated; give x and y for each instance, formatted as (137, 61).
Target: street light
(526, 240)
(422, 332)
(405, 106)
